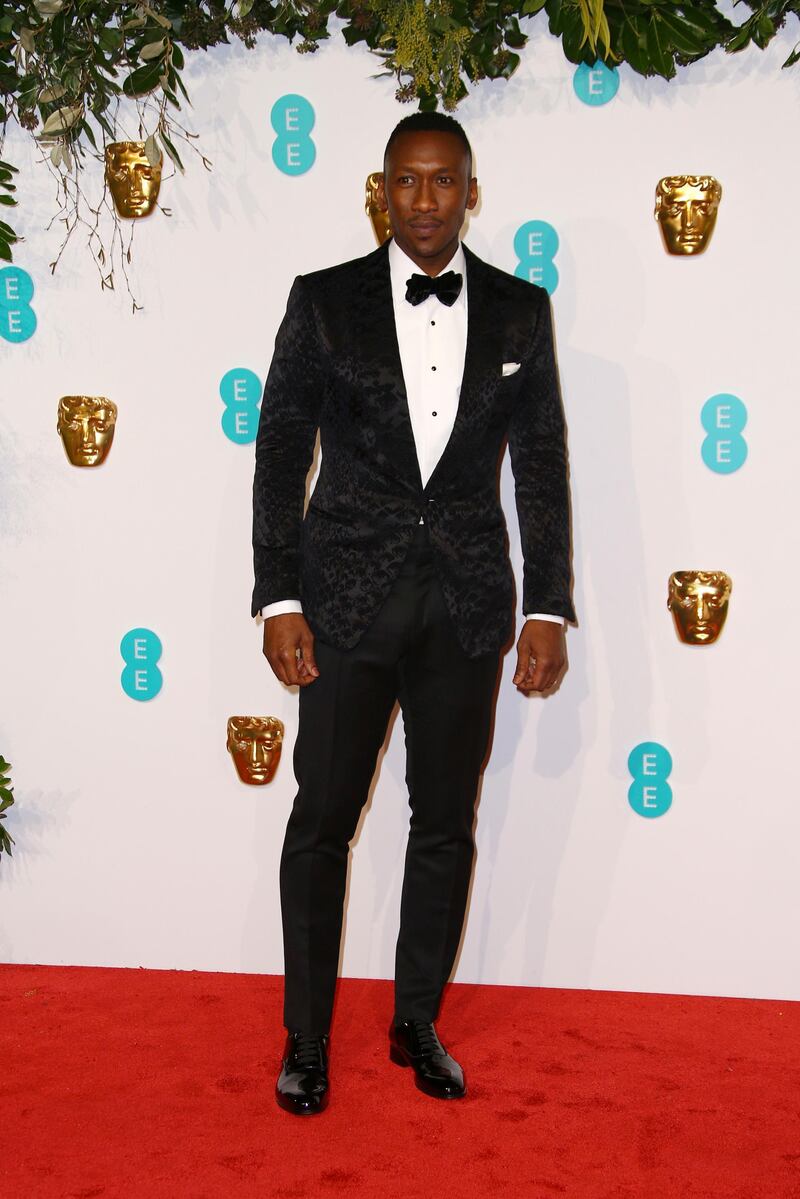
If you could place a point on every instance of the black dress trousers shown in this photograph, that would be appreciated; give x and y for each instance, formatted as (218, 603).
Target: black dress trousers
(410, 653)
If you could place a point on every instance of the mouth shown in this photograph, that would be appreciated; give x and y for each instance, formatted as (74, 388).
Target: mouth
(701, 632)
(425, 227)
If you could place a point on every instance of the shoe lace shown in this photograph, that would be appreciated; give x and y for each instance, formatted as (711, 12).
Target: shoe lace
(426, 1037)
(309, 1052)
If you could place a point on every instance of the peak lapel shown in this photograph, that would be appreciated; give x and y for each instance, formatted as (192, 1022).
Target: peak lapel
(375, 335)
(482, 358)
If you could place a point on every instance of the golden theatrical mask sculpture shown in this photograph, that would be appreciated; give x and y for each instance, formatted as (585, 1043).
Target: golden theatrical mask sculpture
(254, 743)
(379, 218)
(134, 181)
(86, 427)
(686, 211)
(698, 601)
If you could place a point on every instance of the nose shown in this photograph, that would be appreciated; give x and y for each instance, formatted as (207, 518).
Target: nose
(701, 608)
(425, 200)
(687, 216)
(87, 432)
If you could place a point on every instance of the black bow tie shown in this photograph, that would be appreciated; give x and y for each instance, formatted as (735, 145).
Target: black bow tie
(445, 287)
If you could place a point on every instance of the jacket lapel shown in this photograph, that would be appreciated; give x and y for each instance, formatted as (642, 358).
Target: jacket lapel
(482, 359)
(375, 334)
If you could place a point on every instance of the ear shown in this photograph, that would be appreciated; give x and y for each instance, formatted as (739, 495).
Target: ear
(380, 192)
(472, 194)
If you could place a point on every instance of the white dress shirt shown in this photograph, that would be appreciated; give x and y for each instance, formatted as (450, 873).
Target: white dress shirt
(432, 339)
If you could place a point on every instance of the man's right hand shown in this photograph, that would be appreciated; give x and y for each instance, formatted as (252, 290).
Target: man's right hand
(289, 649)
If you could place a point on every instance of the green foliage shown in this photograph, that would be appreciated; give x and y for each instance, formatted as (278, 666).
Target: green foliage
(7, 234)
(762, 25)
(65, 64)
(6, 800)
(652, 36)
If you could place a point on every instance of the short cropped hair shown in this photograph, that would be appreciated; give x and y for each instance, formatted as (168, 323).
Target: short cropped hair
(430, 122)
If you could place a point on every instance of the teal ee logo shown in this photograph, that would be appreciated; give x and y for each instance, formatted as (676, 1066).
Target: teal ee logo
(536, 245)
(141, 649)
(293, 151)
(724, 417)
(17, 318)
(240, 390)
(651, 765)
(595, 85)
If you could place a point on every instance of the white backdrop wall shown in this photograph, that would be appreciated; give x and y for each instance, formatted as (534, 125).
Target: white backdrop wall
(135, 842)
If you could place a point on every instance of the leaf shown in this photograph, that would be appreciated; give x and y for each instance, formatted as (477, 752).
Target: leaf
(142, 80)
(151, 151)
(62, 118)
(52, 93)
(163, 21)
(173, 153)
(5, 251)
(633, 50)
(7, 200)
(153, 50)
(532, 6)
(682, 36)
(660, 59)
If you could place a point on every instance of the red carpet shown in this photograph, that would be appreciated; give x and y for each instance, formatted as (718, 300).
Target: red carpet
(128, 1083)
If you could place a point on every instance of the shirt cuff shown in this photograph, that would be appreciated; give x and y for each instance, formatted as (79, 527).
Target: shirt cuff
(544, 616)
(279, 608)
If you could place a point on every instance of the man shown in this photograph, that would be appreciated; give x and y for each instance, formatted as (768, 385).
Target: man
(415, 363)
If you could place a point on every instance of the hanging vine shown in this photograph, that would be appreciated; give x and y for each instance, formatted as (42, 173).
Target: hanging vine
(77, 74)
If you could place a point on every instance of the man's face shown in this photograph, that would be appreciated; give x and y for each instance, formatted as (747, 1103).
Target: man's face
(698, 600)
(687, 215)
(255, 743)
(133, 181)
(86, 425)
(426, 189)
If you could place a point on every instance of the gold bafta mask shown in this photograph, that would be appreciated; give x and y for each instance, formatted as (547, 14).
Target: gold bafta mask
(379, 218)
(134, 183)
(686, 211)
(255, 743)
(698, 601)
(86, 426)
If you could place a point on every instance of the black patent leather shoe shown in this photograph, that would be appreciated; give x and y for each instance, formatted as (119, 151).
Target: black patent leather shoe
(302, 1086)
(415, 1043)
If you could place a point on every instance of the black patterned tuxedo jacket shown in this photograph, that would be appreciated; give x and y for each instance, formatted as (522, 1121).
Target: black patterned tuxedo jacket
(336, 368)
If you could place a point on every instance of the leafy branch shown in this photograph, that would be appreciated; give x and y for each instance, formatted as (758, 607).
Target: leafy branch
(73, 71)
(6, 800)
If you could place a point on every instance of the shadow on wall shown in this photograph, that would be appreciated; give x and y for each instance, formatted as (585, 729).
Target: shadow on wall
(533, 792)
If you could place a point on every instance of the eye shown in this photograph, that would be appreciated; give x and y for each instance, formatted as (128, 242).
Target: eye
(445, 179)
(100, 426)
(674, 210)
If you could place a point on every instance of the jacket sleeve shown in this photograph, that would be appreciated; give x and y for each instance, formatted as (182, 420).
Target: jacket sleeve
(537, 445)
(287, 430)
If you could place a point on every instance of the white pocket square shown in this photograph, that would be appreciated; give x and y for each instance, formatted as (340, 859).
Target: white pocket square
(509, 368)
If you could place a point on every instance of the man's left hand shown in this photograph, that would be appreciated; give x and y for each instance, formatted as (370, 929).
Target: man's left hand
(541, 656)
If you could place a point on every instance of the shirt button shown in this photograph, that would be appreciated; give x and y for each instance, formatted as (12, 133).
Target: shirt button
(433, 322)
(433, 368)
(434, 414)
